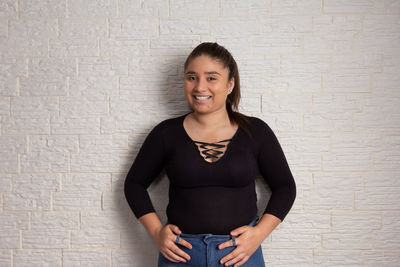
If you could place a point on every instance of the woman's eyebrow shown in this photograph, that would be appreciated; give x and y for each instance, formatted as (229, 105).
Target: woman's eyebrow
(208, 72)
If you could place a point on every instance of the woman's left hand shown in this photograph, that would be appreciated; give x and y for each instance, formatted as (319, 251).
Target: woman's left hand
(248, 241)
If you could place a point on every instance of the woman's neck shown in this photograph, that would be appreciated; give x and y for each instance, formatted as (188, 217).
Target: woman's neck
(214, 119)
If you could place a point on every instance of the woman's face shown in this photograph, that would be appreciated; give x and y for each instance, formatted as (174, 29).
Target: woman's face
(206, 84)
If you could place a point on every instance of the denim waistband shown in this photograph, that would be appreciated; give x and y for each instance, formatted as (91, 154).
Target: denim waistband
(206, 236)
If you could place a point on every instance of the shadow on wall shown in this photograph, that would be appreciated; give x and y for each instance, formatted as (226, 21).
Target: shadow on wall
(137, 247)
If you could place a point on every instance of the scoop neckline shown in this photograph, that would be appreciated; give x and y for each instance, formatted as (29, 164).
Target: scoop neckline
(228, 146)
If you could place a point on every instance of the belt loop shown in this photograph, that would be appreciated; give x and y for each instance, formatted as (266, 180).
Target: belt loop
(177, 238)
(234, 241)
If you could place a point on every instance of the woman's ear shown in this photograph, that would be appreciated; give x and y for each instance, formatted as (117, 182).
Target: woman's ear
(231, 84)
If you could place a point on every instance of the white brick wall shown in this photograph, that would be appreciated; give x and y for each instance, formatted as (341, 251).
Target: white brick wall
(82, 82)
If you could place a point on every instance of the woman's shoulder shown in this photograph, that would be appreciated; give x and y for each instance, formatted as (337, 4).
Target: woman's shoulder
(169, 124)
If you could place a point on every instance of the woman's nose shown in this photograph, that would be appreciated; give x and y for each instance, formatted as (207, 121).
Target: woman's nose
(201, 84)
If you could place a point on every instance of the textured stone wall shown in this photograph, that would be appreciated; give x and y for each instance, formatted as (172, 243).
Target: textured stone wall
(82, 82)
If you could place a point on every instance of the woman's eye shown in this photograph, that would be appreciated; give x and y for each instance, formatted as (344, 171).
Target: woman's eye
(211, 78)
(191, 78)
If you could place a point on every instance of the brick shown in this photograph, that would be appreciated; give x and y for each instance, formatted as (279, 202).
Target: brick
(333, 258)
(274, 43)
(104, 220)
(342, 6)
(389, 154)
(95, 238)
(88, 258)
(77, 200)
(42, 9)
(124, 47)
(73, 182)
(180, 8)
(333, 191)
(74, 48)
(37, 257)
(5, 106)
(63, 125)
(387, 6)
(93, 85)
(380, 35)
(27, 201)
(286, 24)
(387, 239)
(388, 81)
(307, 221)
(356, 64)
(254, 72)
(55, 67)
(236, 45)
(43, 85)
(290, 103)
(309, 158)
(296, 7)
(55, 221)
(185, 26)
(355, 220)
(178, 46)
(47, 238)
(378, 198)
(9, 162)
(5, 183)
(3, 27)
(5, 255)
(13, 144)
(83, 106)
(14, 221)
(292, 239)
(245, 26)
(332, 34)
(34, 106)
(10, 69)
(103, 144)
(305, 64)
(384, 258)
(155, 8)
(143, 257)
(133, 28)
(92, 8)
(250, 104)
(332, 112)
(387, 179)
(45, 162)
(390, 221)
(349, 83)
(375, 107)
(288, 257)
(9, 239)
(59, 143)
(76, 28)
(8, 8)
(24, 125)
(23, 47)
(237, 7)
(342, 239)
(93, 161)
(102, 67)
(295, 83)
(32, 29)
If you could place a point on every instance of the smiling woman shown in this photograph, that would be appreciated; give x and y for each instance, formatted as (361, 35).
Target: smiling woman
(212, 209)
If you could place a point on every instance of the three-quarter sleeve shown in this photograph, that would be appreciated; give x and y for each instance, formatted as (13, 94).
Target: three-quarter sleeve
(146, 167)
(275, 170)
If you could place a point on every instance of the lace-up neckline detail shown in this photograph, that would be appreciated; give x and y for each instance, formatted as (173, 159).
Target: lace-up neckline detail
(212, 152)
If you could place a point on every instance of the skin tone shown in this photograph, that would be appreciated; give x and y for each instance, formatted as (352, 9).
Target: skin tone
(205, 76)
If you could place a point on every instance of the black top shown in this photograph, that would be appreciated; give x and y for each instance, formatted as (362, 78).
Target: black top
(211, 197)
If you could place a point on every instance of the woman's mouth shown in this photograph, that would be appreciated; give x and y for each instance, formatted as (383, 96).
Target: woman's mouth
(202, 98)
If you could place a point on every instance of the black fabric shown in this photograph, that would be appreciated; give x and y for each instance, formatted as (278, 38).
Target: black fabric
(211, 197)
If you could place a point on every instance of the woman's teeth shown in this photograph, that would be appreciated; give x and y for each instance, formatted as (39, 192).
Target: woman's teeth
(202, 97)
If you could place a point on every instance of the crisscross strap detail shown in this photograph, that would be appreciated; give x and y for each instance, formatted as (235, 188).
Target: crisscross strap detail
(209, 150)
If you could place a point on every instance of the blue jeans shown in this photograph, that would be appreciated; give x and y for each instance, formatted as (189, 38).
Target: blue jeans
(205, 252)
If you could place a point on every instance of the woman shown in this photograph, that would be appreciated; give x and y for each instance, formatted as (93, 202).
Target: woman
(211, 156)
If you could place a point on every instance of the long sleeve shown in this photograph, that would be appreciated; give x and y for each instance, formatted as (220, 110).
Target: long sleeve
(276, 172)
(146, 167)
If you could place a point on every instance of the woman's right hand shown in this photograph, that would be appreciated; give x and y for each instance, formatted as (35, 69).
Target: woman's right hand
(165, 240)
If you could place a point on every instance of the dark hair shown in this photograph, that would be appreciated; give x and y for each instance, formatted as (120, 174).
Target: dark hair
(221, 54)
